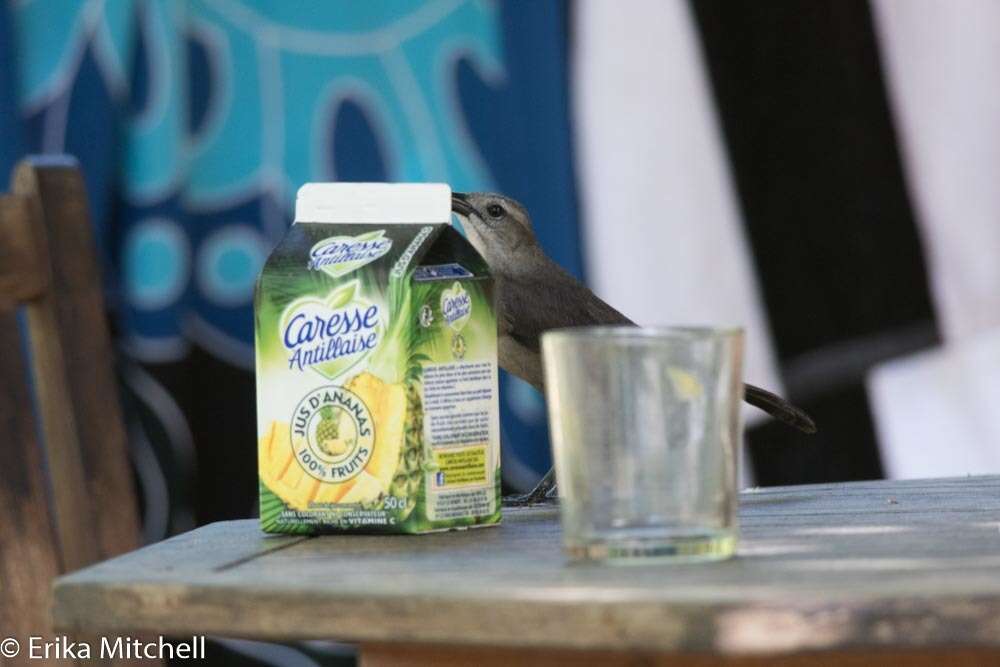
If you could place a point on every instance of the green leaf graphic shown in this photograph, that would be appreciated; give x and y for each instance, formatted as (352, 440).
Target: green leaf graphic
(342, 296)
(271, 507)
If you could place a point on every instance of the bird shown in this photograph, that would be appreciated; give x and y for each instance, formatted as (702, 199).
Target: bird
(535, 294)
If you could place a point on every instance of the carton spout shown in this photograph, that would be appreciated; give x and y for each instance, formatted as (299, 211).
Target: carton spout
(374, 203)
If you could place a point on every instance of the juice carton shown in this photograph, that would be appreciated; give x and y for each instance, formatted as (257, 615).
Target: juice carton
(377, 371)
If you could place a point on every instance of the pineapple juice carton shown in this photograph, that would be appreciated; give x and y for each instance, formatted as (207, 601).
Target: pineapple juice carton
(376, 350)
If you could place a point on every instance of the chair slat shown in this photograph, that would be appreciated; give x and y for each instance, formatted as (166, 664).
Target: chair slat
(21, 274)
(28, 558)
(73, 365)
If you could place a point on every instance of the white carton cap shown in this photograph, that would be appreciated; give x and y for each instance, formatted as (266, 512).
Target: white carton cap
(374, 203)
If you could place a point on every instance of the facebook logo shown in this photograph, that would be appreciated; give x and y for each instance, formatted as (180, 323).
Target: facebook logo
(439, 478)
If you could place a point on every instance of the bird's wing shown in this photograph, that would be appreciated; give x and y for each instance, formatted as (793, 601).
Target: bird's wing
(543, 296)
(547, 297)
(505, 315)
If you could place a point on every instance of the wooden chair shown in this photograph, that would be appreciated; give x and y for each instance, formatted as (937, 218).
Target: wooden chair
(66, 489)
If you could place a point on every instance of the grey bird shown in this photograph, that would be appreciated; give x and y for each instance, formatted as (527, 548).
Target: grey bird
(535, 294)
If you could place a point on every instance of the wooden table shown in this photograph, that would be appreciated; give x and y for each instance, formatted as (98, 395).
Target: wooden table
(872, 572)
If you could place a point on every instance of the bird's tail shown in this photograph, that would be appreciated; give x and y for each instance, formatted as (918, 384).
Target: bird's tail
(779, 408)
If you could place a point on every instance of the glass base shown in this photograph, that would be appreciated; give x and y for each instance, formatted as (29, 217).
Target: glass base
(689, 547)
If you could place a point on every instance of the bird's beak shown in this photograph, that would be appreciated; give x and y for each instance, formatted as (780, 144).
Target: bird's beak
(460, 204)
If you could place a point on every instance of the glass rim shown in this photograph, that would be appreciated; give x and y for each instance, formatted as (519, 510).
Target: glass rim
(652, 334)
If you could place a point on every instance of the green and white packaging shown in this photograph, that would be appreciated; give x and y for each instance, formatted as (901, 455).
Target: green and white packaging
(377, 407)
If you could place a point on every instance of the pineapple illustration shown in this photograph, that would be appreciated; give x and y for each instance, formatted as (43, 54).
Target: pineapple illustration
(408, 480)
(387, 403)
(328, 431)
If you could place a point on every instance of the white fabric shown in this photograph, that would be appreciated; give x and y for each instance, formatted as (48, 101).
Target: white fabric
(936, 414)
(663, 233)
(942, 65)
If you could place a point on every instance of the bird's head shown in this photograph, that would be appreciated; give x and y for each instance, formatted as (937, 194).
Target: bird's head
(497, 226)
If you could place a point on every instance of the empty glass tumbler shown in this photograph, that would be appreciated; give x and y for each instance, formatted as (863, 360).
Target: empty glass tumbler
(646, 433)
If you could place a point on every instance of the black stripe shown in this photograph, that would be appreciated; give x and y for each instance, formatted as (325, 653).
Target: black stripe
(806, 120)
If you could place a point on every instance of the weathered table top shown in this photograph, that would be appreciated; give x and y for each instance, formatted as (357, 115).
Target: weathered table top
(911, 564)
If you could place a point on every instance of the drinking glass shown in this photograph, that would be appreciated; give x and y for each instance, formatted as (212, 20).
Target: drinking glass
(646, 429)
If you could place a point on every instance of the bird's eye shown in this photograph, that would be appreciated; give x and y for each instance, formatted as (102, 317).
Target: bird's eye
(495, 211)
